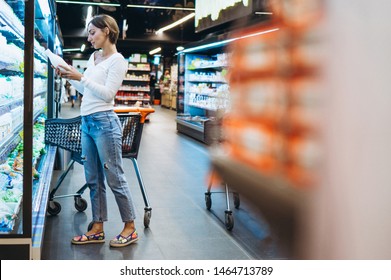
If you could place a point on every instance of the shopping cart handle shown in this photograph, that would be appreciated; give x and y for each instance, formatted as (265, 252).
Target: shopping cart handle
(144, 112)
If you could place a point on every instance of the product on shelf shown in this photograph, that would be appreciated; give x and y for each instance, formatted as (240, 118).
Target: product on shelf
(135, 88)
(274, 81)
(5, 125)
(203, 93)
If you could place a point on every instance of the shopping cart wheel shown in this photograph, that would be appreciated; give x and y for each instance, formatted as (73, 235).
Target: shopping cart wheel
(80, 204)
(236, 200)
(229, 220)
(147, 217)
(208, 200)
(54, 208)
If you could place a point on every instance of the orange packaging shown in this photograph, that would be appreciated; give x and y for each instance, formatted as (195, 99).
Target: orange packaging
(299, 13)
(259, 51)
(275, 7)
(304, 155)
(305, 103)
(262, 100)
(255, 144)
(307, 50)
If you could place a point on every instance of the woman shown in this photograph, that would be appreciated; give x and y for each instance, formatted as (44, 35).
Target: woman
(101, 131)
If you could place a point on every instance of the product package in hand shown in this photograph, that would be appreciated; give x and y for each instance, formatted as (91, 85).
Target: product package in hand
(57, 61)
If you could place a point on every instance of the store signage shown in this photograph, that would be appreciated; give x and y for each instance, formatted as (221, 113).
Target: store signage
(212, 13)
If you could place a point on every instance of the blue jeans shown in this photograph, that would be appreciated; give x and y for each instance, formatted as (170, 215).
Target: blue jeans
(101, 142)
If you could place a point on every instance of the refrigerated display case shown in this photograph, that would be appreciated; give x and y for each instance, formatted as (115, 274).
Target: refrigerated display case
(203, 93)
(26, 164)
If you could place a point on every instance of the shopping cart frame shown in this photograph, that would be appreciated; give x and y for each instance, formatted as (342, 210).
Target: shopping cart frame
(66, 134)
(228, 216)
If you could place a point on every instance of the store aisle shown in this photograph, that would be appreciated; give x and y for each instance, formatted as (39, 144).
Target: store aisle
(174, 169)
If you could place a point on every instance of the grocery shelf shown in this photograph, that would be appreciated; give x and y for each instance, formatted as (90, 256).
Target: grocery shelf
(208, 81)
(136, 80)
(40, 199)
(191, 124)
(204, 91)
(210, 67)
(135, 86)
(138, 90)
(10, 22)
(194, 130)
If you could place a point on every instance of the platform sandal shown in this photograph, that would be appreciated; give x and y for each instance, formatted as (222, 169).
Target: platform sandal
(89, 239)
(122, 241)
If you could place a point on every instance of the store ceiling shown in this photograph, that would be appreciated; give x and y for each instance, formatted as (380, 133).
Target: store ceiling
(142, 24)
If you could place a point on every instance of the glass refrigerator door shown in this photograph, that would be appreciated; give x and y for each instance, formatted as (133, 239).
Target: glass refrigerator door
(25, 33)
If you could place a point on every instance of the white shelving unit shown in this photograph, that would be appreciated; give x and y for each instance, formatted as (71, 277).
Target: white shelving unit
(135, 87)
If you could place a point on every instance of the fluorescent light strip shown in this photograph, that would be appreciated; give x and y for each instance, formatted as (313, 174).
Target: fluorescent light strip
(155, 50)
(216, 44)
(89, 15)
(221, 43)
(129, 6)
(256, 34)
(263, 13)
(88, 3)
(178, 22)
(71, 50)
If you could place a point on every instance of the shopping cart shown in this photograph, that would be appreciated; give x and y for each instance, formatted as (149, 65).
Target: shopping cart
(229, 218)
(66, 134)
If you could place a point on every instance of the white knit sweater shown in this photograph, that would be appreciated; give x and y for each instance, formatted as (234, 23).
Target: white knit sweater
(101, 83)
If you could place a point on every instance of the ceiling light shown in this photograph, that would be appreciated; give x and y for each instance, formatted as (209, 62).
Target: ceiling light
(263, 13)
(221, 43)
(178, 22)
(155, 50)
(89, 3)
(124, 29)
(89, 15)
(82, 48)
(180, 48)
(71, 50)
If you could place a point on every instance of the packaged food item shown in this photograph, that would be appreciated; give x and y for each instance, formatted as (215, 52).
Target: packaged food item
(304, 155)
(254, 144)
(5, 125)
(262, 100)
(260, 51)
(57, 61)
(307, 50)
(298, 13)
(305, 104)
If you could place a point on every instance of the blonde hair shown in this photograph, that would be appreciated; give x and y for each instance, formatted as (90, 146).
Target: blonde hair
(103, 21)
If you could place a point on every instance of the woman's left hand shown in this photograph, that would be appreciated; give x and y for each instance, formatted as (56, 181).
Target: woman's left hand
(71, 74)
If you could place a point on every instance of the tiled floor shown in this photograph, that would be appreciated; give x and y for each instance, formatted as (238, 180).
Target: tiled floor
(174, 169)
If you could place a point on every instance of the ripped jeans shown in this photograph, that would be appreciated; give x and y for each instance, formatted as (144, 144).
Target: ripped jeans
(101, 142)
